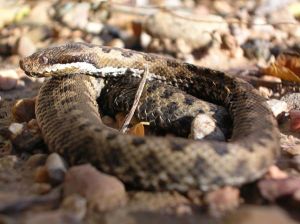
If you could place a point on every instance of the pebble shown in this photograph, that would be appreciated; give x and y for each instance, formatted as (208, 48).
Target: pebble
(94, 28)
(102, 192)
(16, 128)
(36, 160)
(145, 40)
(8, 162)
(116, 43)
(41, 175)
(24, 110)
(256, 49)
(273, 189)
(56, 168)
(8, 79)
(277, 106)
(204, 127)
(25, 46)
(75, 204)
(222, 200)
(42, 188)
(295, 120)
(293, 100)
(77, 14)
(40, 11)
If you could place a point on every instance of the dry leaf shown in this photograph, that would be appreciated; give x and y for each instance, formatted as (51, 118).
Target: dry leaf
(281, 72)
(290, 60)
(138, 129)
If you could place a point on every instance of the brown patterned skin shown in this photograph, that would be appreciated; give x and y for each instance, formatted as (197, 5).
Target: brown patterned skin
(167, 109)
(68, 115)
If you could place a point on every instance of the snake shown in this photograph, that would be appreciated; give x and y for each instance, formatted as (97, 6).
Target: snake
(68, 115)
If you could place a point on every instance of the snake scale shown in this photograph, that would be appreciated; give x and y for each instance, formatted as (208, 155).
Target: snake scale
(68, 115)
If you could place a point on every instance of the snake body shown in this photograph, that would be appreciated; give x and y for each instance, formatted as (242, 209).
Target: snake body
(68, 115)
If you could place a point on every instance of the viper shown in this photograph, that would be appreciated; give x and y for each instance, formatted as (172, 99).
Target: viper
(68, 115)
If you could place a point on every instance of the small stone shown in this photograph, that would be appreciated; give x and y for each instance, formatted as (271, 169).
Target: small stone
(75, 204)
(40, 11)
(295, 120)
(36, 160)
(56, 168)
(183, 46)
(116, 43)
(107, 120)
(272, 189)
(8, 79)
(94, 28)
(222, 200)
(77, 16)
(42, 188)
(204, 127)
(25, 46)
(8, 162)
(16, 128)
(277, 106)
(275, 173)
(265, 92)
(293, 100)
(102, 192)
(145, 40)
(41, 175)
(24, 110)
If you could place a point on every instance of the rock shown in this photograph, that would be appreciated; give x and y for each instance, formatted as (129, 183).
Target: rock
(76, 15)
(275, 173)
(36, 160)
(40, 11)
(16, 128)
(277, 106)
(24, 110)
(76, 205)
(41, 174)
(102, 192)
(116, 43)
(201, 35)
(25, 46)
(94, 28)
(8, 79)
(292, 100)
(204, 127)
(256, 49)
(42, 188)
(145, 40)
(259, 215)
(295, 120)
(222, 200)
(272, 189)
(8, 162)
(56, 168)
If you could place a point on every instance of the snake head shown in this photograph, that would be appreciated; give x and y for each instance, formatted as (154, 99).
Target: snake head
(72, 58)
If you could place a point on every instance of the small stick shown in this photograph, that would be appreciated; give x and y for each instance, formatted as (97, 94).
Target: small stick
(136, 101)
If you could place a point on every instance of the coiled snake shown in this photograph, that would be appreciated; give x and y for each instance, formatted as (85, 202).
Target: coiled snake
(68, 115)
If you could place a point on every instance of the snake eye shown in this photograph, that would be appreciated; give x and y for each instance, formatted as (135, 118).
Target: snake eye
(43, 60)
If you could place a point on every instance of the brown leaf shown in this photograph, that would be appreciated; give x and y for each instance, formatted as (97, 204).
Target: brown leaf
(291, 61)
(138, 129)
(281, 72)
